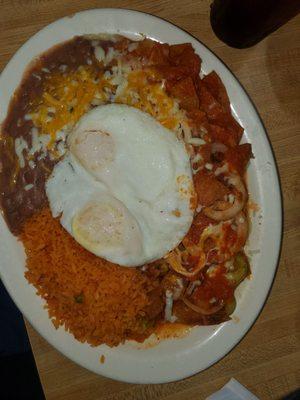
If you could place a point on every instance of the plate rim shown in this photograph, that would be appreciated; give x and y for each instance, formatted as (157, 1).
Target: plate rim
(276, 175)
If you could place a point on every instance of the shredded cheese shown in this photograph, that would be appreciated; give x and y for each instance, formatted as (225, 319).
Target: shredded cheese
(28, 187)
(99, 53)
(231, 198)
(212, 270)
(196, 141)
(142, 90)
(59, 94)
(69, 94)
(209, 166)
(169, 307)
(20, 146)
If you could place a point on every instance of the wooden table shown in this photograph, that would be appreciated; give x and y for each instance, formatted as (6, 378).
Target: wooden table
(265, 361)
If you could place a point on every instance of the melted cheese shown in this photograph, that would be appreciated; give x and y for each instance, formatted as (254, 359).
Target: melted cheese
(68, 95)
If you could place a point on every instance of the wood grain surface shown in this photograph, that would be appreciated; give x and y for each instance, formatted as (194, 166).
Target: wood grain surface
(267, 360)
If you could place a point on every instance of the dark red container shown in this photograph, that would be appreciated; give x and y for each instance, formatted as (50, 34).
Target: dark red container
(243, 23)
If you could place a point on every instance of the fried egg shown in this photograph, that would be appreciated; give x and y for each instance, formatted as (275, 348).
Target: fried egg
(124, 189)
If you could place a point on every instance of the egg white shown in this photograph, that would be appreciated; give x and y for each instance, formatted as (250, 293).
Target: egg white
(123, 157)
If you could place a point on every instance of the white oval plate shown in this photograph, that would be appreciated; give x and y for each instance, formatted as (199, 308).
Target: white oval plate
(170, 359)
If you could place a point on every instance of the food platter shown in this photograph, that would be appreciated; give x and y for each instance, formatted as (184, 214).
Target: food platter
(169, 359)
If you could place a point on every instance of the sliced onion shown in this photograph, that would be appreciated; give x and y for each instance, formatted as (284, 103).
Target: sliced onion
(175, 263)
(222, 170)
(241, 222)
(201, 310)
(237, 206)
(192, 286)
(169, 306)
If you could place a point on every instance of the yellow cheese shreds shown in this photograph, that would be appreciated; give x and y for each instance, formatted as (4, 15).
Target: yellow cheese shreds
(66, 97)
(144, 93)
